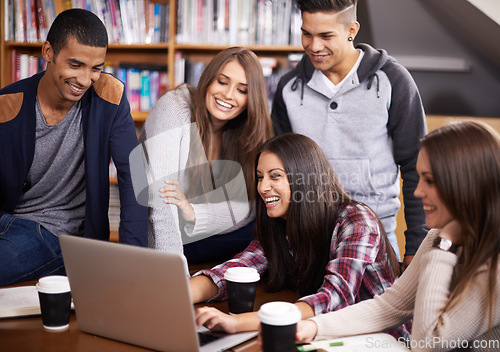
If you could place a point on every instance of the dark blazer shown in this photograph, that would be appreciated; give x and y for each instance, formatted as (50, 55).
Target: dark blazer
(108, 132)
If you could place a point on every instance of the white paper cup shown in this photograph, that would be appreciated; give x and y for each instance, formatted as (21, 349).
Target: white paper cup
(242, 274)
(241, 284)
(278, 321)
(54, 294)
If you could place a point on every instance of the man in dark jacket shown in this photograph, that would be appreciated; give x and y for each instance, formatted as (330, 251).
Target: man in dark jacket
(58, 131)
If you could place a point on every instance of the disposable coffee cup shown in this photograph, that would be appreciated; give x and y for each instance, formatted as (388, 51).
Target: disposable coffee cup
(278, 324)
(55, 302)
(241, 284)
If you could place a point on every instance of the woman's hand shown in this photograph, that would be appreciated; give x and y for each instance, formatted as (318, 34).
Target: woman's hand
(173, 195)
(214, 319)
(306, 331)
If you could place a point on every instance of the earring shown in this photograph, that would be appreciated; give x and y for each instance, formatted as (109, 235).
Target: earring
(350, 39)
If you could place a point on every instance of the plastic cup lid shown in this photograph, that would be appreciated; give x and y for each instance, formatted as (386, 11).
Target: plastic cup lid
(279, 313)
(242, 274)
(53, 284)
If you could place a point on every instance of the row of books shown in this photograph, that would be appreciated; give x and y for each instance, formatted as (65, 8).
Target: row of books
(114, 204)
(126, 21)
(144, 84)
(238, 22)
(26, 65)
(187, 71)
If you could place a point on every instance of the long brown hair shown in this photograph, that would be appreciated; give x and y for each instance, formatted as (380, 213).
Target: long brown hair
(465, 163)
(310, 223)
(245, 134)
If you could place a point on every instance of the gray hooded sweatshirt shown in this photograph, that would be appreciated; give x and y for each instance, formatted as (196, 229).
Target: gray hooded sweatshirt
(369, 130)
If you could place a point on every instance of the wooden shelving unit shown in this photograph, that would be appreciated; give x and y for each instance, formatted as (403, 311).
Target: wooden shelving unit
(156, 54)
(150, 54)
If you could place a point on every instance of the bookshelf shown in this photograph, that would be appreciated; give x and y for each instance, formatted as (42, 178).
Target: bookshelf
(155, 54)
(167, 53)
(191, 45)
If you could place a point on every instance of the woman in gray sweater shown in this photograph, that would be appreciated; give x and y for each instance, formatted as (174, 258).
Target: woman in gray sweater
(451, 287)
(200, 145)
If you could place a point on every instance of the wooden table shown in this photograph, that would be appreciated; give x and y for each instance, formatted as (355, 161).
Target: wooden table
(28, 335)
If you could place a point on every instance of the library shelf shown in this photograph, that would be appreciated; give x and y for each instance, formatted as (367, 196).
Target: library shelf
(164, 54)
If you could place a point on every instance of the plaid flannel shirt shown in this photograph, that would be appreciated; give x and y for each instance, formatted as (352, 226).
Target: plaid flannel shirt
(357, 270)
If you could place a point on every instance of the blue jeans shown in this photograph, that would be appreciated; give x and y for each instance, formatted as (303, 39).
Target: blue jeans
(27, 251)
(219, 248)
(391, 236)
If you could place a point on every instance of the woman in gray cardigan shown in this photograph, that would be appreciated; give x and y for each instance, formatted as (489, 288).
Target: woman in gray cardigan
(200, 145)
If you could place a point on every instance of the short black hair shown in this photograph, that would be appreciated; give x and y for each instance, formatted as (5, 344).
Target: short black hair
(80, 24)
(313, 6)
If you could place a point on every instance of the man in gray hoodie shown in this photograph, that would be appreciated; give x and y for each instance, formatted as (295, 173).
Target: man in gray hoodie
(362, 108)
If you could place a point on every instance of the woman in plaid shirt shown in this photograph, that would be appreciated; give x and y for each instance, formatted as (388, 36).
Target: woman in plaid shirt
(312, 237)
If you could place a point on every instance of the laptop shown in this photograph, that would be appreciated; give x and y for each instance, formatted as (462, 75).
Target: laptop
(136, 295)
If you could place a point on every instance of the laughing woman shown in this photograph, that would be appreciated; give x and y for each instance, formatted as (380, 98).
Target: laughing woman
(451, 288)
(200, 146)
(311, 238)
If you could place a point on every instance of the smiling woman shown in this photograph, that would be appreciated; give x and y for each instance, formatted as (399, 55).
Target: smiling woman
(273, 185)
(311, 237)
(451, 286)
(227, 96)
(230, 121)
(436, 213)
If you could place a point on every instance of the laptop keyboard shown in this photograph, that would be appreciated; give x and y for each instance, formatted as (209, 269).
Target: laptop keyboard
(207, 337)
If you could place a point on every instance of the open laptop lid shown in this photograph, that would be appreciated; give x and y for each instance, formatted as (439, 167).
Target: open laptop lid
(132, 294)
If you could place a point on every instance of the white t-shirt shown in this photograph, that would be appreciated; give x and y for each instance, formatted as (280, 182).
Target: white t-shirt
(336, 87)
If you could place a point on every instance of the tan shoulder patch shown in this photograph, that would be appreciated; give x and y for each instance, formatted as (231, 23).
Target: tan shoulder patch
(10, 105)
(109, 88)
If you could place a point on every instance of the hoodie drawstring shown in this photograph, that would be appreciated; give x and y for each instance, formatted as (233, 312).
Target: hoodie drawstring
(295, 84)
(370, 81)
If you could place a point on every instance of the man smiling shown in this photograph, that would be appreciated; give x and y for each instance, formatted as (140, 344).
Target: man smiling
(58, 131)
(362, 108)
